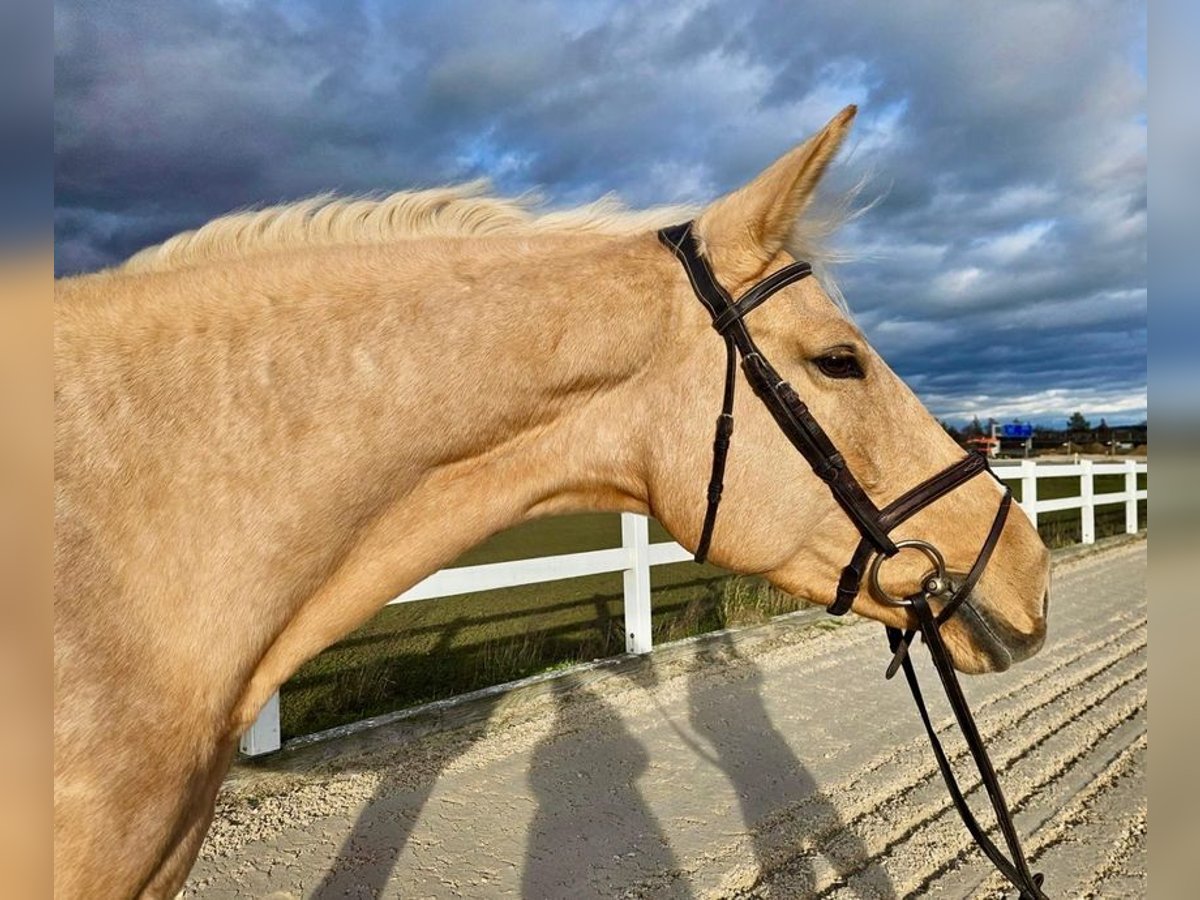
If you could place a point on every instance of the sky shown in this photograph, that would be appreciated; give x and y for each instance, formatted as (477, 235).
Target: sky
(1001, 269)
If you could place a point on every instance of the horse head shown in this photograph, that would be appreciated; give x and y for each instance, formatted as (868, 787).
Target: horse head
(778, 517)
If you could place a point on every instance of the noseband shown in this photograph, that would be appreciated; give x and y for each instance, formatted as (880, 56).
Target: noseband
(874, 525)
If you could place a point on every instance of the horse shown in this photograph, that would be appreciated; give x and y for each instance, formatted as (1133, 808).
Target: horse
(269, 426)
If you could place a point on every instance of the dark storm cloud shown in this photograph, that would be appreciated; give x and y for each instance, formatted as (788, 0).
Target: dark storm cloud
(1002, 270)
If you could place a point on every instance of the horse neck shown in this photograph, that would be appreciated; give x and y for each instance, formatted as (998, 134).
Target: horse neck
(379, 409)
(504, 365)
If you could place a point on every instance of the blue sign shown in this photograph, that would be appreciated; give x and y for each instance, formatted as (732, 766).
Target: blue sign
(1017, 430)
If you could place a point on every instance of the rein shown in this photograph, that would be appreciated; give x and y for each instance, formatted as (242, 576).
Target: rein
(874, 525)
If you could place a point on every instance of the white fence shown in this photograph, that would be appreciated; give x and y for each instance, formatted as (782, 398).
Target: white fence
(636, 555)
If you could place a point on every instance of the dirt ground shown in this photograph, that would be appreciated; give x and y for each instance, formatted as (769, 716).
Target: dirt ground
(769, 763)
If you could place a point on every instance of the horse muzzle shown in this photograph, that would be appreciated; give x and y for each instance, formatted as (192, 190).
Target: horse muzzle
(998, 643)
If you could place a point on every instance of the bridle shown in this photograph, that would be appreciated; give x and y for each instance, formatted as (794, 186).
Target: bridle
(874, 525)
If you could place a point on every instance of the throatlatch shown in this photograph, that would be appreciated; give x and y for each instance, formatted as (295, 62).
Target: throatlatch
(873, 523)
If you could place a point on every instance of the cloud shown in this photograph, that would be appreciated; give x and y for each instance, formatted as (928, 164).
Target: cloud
(1008, 143)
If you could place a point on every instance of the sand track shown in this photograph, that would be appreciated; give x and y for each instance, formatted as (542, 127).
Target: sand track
(771, 763)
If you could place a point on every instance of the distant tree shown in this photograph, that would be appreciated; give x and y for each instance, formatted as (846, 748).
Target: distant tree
(951, 430)
(1078, 423)
(974, 429)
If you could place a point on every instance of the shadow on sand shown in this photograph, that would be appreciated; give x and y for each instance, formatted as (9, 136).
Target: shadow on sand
(781, 803)
(366, 861)
(593, 833)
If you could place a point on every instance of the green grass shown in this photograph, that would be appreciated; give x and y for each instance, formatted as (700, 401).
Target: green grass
(416, 652)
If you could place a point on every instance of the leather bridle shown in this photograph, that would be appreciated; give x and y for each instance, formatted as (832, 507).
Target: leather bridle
(874, 525)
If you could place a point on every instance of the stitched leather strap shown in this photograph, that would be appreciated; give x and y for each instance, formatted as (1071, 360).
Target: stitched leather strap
(1015, 868)
(985, 553)
(721, 440)
(899, 510)
(933, 489)
(680, 241)
(760, 292)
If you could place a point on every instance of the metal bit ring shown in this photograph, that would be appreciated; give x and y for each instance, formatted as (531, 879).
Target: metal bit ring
(933, 584)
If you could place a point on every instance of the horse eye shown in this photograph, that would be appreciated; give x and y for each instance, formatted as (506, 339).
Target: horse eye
(839, 365)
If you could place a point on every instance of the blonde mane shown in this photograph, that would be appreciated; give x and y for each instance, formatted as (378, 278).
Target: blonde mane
(462, 210)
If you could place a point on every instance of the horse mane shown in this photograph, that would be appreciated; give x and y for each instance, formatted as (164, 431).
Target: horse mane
(462, 210)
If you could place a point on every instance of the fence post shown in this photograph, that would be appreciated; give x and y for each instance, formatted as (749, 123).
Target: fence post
(263, 736)
(1029, 490)
(1131, 509)
(635, 538)
(1087, 492)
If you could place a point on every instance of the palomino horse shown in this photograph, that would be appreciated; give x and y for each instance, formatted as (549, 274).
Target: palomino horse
(270, 426)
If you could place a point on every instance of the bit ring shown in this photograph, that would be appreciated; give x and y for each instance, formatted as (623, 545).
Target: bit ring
(932, 584)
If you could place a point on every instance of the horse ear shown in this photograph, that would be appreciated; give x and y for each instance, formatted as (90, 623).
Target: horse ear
(742, 231)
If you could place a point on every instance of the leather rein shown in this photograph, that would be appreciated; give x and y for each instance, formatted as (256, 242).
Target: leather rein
(874, 525)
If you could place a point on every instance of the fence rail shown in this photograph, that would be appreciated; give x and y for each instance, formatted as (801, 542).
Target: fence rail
(636, 555)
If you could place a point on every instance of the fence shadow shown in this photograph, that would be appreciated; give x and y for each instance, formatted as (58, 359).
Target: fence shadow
(366, 860)
(768, 778)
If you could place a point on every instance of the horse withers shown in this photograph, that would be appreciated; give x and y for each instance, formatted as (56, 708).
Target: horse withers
(268, 427)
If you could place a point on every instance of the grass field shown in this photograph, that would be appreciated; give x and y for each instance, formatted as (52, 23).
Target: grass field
(416, 652)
